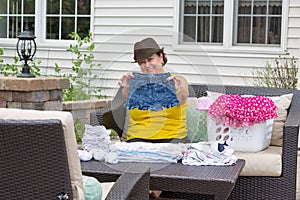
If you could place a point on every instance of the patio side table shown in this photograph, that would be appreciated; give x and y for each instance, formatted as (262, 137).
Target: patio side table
(218, 181)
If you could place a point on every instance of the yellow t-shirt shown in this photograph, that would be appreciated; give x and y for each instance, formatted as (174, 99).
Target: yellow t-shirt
(167, 123)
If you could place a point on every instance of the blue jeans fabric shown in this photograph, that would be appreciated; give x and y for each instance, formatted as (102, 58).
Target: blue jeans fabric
(151, 92)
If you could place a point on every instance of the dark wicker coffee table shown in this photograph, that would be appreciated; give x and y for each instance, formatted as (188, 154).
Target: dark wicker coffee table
(217, 181)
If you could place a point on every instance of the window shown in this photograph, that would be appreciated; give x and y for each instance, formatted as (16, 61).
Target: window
(60, 18)
(14, 14)
(252, 22)
(258, 22)
(203, 21)
(66, 16)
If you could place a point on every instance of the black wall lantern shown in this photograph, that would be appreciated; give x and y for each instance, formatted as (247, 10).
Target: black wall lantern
(26, 48)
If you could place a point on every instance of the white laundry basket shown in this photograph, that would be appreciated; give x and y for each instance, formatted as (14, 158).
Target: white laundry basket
(248, 139)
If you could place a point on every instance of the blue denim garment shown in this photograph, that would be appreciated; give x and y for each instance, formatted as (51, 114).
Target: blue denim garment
(151, 92)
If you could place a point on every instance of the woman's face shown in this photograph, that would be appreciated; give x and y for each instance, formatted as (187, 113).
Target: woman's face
(152, 65)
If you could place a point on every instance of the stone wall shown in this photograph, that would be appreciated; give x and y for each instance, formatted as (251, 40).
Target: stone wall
(45, 93)
(41, 93)
(81, 109)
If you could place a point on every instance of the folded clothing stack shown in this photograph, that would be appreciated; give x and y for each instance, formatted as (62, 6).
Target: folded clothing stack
(96, 138)
(148, 152)
(209, 153)
(95, 143)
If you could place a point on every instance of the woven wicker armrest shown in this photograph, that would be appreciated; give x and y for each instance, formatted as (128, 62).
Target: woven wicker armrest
(132, 184)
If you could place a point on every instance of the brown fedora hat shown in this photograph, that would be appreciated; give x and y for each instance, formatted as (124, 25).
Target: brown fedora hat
(145, 48)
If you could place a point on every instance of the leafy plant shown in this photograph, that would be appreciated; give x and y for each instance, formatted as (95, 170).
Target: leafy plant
(82, 66)
(113, 134)
(281, 74)
(81, 78)
(7, 69)
(1, 53)
(79, 130)
(15, 69)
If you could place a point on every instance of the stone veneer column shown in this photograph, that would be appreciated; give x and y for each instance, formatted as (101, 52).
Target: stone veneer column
(40, 93)
(82, 109)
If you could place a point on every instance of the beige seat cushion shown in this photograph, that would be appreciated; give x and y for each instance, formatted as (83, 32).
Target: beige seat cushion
(282, 104)
(262, 163)
(106, 187)
(71, 144)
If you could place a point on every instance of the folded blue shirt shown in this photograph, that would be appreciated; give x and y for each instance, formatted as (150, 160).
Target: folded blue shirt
(151, 92)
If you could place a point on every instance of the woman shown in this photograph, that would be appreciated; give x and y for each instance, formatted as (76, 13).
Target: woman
(167, 124)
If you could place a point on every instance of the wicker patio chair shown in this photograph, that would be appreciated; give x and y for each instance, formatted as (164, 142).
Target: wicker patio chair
(247, 187)
(34, 164)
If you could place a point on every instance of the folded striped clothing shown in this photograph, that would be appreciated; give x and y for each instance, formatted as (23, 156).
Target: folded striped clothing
(148, 152)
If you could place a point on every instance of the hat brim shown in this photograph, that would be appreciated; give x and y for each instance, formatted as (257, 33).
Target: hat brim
(141, 54)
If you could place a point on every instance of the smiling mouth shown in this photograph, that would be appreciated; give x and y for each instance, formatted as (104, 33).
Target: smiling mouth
(150, 69)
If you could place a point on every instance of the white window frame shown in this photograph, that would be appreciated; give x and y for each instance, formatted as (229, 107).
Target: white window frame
(228, 34)
(40, 31)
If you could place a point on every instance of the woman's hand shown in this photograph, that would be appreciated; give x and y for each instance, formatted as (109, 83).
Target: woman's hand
(125, 80)
(124, 83)
(181, 86)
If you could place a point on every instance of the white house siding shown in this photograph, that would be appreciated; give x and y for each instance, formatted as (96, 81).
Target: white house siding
(118, 24)
(293, 36)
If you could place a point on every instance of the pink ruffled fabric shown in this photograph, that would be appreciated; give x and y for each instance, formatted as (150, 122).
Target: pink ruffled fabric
(237, 111)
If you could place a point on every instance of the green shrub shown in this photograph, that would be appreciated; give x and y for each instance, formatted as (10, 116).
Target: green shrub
(113, 133)
(15, 68)
(282, 73)
(1, 53)
(79, 130)
(81, 78)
